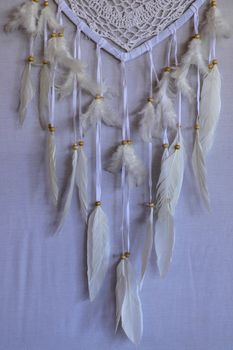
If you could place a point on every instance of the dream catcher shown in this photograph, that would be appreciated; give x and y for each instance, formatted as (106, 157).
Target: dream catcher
(126, 30)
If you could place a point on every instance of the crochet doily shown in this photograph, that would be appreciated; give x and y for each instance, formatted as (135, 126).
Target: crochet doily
(129, 23)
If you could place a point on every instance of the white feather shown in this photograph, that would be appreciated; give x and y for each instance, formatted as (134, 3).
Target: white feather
(26, 92)
(59, 52)
(148, 122)
(210, 108)
(192, 57)
(98, 250)
(84, 82)
(199, 168)
(48, 18)
(24, 17)
(215, 24)
(128, 304)
(52, 167)
(99, 110)
(148, 244)
(164, 110)
(125, 156)
(171, 176)
(164, 239)
(44, 95)
(82, 182)
(69, 193)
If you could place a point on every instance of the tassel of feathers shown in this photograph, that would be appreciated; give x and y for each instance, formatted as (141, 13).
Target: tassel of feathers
(52, 164)
(98, 250)
(125, 155)
(24, 17)
(47, 18)
(168, 192)
(82, 180)
(128, 304)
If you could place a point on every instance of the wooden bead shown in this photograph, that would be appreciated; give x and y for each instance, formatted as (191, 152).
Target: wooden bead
(167, 69)
(151, 205)
(81, 143)
(98, 204)
(127, 255)
(46, 4)
(177, 146)
(75, 147)
(99, 97)
(51, 128)
(150, 99)
(165, 145)
(196, 36)
(30, 59)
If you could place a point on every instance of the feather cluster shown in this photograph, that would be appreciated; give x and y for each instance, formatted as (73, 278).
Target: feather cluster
(128, 304)
(48, 20)
(98, 250)
(148, 122)
(26, 90)
(24, 17)
(215, 24)
(125, 156)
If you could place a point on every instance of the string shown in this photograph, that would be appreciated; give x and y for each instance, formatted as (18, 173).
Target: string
(74, 95)
(98, 130)
(125, 124)
(81, 134)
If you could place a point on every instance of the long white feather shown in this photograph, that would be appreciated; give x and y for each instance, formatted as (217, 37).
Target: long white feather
(128, 304)
(24, 17)
(125, 155)
(192, 57)
(69, 193)
(98, 250)
(210, 108)
(148, 122)
(82, 182)
(48, 18)
(26, 92)
(45, 85)
(99, 109)
(215, 24)
(52, 167)
(148, 244)
(83, 81)
(199, 168)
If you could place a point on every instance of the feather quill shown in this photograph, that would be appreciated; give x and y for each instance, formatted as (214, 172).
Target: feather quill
(26, 91)
(128, 304)
(70, 190)
(45, 86)
(210, 107)
(199, 168)
(99, 110)
(125, 155)
(98, 250)
(48, 18)
(25, 18)
(52, 166)
(82, 181)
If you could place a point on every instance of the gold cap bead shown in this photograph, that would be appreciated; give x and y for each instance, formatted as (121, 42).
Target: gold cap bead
(210, 66)
(30, 59)
(127, 255)
(75, 147)
(99, 97)
(97, 203)
(123, 257)
(214, 62)
(167, 69)
(35, 1)
(196, 36)
(150, 99)
(177, 146)
(45, 62)
(197, 126)
(151, 205)
(81, 143)
(60, 35)
(46, 3)
(53, 35)
(213, 3)
(126, 142)
(51, 128)
(165, 145)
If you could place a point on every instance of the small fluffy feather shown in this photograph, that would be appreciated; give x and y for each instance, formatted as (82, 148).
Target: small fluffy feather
(52, 167)
(98, 250)
(85, 83)
(215, 24)
(99, 110)
(82, 182)
(44, 95)
(199, 168)
(128, 304)
(148, 122)
(69, 194)
(24, 17)
(125, 156)
(26, 92)
(48, 18)
(210, 108)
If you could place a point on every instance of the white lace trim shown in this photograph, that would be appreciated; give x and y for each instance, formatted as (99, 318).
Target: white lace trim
(129, 23)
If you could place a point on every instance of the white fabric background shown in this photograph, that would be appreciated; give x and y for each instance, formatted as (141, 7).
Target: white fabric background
(43, 289)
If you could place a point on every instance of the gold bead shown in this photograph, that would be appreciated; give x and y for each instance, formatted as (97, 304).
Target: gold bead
(75, 147)
(97, 203)
(150, 99)
(167, 69)
(51, 128)
(127, 255)
(53, 35)
(45, 62)
(124, 142)
(210, 66)
(177, 146)
(214, 62)
(196, 36)
(165, 145)
(30, 59)
(213, 3)
(123, 257)
(151, 205)
(35, 1)
(81, 143)
(46, 4)
(197, 126)
(60, 35)
(99, 97)
(129, 142)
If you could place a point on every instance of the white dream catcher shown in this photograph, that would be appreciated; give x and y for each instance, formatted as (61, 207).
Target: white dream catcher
(126, 30)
